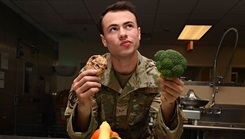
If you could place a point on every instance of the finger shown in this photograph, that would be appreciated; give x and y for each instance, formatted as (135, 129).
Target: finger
(78, 83)
(85, 73)
(168, 97)
(91, 91)
(172, 92)
(86, 98)
(161, 81)
(175, 84)
(177, 81)
(88, 85)
(86, 92)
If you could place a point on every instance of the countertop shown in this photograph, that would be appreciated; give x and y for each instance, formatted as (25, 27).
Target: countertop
(211, 127)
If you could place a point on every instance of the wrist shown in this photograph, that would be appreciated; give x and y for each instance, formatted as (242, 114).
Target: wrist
(166, 102)
(168, 110)
(83, 108)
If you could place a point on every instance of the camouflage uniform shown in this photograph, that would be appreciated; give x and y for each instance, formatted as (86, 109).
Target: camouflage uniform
(129, 110)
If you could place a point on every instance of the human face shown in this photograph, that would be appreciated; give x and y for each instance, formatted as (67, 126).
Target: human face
(121, 33)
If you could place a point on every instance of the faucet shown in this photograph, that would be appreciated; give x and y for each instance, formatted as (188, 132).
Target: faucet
(215, 84)
(217, 80)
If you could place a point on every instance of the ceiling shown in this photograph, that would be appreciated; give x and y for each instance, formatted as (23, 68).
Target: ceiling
(161, 21)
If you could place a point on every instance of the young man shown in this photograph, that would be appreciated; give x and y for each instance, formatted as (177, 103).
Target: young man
(128, 95)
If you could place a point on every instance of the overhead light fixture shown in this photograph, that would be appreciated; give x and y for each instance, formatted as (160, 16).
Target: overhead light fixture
(193, 32)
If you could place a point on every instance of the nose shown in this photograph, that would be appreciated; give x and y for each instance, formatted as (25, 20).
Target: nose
(122, 34)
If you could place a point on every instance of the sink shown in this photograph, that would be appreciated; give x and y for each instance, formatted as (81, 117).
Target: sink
(230, 117)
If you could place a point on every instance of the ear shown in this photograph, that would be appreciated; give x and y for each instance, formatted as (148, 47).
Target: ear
(103, 40)
(139, 31)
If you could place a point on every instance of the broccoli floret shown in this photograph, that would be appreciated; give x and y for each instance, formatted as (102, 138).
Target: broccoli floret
(170, 63)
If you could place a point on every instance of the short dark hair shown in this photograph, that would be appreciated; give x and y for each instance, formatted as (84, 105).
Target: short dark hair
(118, 6)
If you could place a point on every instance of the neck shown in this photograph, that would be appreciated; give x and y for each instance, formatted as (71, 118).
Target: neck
(125, 66)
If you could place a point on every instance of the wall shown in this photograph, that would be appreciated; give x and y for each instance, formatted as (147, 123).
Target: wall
(25, 113)
(74, 53)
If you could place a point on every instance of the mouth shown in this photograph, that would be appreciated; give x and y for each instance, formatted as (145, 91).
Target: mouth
(125, 43)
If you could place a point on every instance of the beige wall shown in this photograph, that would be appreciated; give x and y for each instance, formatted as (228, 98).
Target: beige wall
(73, 53)
(226, 94)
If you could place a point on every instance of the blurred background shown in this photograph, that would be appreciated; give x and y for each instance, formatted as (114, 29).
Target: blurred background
(44, 44)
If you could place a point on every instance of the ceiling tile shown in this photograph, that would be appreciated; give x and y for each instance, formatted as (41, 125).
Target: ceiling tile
(34, 6)
(214, 6)
(239, 8)
(161, 21)
(176, 6)
(71, 7)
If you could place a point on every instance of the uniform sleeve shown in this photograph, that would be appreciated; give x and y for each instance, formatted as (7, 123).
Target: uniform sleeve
(70, 112)
(81, 135)
(175, 130)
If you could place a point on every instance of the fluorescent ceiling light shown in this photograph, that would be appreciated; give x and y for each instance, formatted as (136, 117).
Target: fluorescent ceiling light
(193, 32)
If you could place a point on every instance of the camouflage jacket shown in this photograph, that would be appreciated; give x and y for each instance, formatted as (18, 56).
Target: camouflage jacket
(129, 110)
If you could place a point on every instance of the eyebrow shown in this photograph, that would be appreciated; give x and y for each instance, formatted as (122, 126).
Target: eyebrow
(113, 25)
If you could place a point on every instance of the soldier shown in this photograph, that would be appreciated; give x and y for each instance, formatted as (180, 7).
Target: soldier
(129, 94)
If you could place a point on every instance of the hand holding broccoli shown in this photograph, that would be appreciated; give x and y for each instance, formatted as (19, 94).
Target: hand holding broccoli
(170, 63)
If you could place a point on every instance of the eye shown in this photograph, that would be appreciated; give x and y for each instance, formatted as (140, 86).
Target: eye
(113, 29)
(129, 26)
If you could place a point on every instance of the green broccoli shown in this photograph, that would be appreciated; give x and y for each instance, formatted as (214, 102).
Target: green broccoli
(170, 63)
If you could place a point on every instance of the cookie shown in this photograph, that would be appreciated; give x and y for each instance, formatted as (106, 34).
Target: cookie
(98, 63)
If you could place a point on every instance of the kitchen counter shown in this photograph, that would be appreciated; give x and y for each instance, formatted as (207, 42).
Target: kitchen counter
(228, 124)
(205, 83)
(211, 131)
(211, 127)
